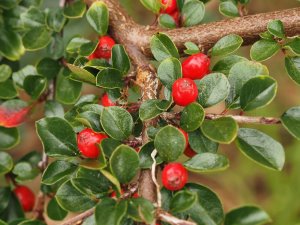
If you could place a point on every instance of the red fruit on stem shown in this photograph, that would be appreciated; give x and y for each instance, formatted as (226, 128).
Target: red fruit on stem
(104, 47)
(169, 6)
(174, 176)
(26, 197)
(87, 140)
(92, 56)
(136, 195)
(189, 152)
(176, 17)
(184, 91)
(106, 102)
(196, 66)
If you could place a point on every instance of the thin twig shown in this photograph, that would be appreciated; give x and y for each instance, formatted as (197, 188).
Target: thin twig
(153, 173)
(79, 218)
(167, 217)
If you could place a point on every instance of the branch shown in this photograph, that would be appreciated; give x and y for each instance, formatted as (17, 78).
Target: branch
(79, 218)
(166, 217)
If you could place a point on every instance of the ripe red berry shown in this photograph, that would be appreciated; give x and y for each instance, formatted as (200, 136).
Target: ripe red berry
(189, 152)
(105, 101)
(92, 56)
(87, 140)
(174, 176)
(196, 66)
(168, 6)
(184, 91)
(104, 47)
(26, 197)
(175, 16)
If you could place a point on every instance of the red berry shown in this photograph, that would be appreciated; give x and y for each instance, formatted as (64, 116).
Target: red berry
(175, 16)
(104, 47)
(169, 6)
(196, 66)
(135, 195)
(184, 91)
(92, 56)
(105, 101)
(174, 176)
(189, 152)
(87, 140)
(114, 194)
(26, 197)
(137, 149)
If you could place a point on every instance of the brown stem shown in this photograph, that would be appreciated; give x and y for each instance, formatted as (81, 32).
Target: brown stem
(167, 217)
(79, 218)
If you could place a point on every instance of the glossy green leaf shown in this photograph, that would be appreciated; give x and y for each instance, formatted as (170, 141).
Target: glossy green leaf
(191, 48)
(48, 68)
(75, 10)
(70, 199)
(25, 171)
(8, 4)
(55, 19)
(228, 8)
(6, 164)
(54, 211)
(5, 193)
(120, 59)
(33, 17)
(226, 45)
(169, 143)
(222, 130)
(192, 117)
(97, 16)
(110, 212)
(80, 74)
(109, 78)
(124, 163)
(292, 66)
(276, 28)
(149, 110)
(89, 187)
(56, 47)
(169, 71)
(13, 210)
(291, 121)
(56, 171)
(35, 85)
(146, 160)
(41, 37)
(117, 122)
(213, 88)
(162, 47)
(90, 119)
(258, 92)
(224, 65)
(141, 210)
(166, 21)
(57, 136)
(54, 109)
(74, 44)
(192, 13)
(9, 137)
(5, 72)
(19, 76)
(152, 5)
(267, 35)
(263, 50)
(261, 148)
(294, 46)
(7, 90)
(200, 143)
(247, 215)
(11, 46)
(207, 162)
(182, 201)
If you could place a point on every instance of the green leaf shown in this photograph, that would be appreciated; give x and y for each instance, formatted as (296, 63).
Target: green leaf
(54, 211)
(120, 59)
(276, 28)
(6, 164)
(56, 47)
(5, 72)
(56, 171)
(141, 210)
(55, 19)
(35, 85)
(294, 46)
(166, 21)
(292, 66)
(124, 163)
(70, 199)
(162, 47)
(112, 179)
(41, 37)
(57, 136)
(109, 78)
(228, 8)
(225, 64)
(191, 48)
(192, 117)
(97, 16)
(146, 160)
(247, 215)
(19, 76)
(54, 109)
(222, 130)
(169, 71)
(192, 13)
(67, 91)
(90, 119)
(208, 208)
(117, 122)
(213, 89)
(33, 17)
(48, 68)
(74, 44)
(5, 193)
(80, 74)
(200, 143)
(261, 148)
(8, 4)
(152, 5)
(227, 45)
(75, 10)
(258, 92)
(11, 46)
(182, 201)
(25, 171)
(110, 212)
(87, 48)
(169, 143)
(9, 137)
(291, 121)
(109, 145)
(264, 49)
(149, 110)
(90, 188)
(7, 90)
(207, 162)
(13, 210)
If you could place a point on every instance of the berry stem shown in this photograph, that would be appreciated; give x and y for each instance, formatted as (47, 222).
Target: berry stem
(153, 173)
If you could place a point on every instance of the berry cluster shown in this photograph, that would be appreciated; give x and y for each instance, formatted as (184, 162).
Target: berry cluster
(170, 7)
(103, 49)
